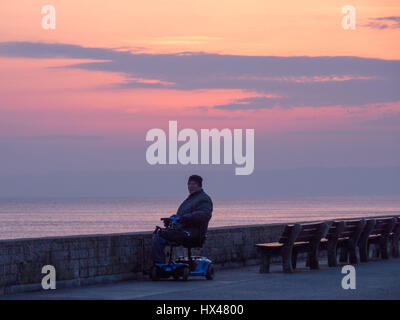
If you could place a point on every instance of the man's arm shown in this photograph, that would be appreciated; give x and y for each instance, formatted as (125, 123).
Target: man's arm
(202, 214)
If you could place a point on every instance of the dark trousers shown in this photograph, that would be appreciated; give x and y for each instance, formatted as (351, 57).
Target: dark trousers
(164, 237)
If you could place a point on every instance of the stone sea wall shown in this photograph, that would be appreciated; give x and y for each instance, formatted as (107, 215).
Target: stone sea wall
(94, 259)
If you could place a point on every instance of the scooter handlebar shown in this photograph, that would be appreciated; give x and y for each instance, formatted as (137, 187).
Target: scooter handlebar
(168, 222)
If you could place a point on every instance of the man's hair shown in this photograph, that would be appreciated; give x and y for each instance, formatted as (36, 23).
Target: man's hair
(197, 179)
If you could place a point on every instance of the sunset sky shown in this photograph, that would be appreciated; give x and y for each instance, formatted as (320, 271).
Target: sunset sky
(81, 98)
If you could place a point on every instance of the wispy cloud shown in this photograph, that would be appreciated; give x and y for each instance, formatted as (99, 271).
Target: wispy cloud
(391, 118)
(305, 79)
(56, 137)
(382, 23)
(294, 81)
(253, 103)
(181, 40)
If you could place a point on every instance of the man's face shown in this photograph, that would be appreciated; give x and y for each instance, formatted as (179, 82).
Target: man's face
(193, 186)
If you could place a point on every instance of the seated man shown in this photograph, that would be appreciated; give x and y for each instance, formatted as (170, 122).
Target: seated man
(194, 214)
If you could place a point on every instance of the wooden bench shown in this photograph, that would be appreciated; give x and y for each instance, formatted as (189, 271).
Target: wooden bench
(348, 241)
(376, 231)
(295, 238)
(330, 242)
(394, 238)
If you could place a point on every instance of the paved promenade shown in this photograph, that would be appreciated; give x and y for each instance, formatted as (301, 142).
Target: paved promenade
(374, 280)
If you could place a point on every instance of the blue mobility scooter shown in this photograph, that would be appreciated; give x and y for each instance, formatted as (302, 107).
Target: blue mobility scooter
(182, 267)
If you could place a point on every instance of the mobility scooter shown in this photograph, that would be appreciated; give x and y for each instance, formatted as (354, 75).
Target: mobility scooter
(182, 267)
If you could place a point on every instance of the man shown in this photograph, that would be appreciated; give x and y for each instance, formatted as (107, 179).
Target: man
(193, 216)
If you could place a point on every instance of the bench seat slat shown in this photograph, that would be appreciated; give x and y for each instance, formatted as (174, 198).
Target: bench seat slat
(270, 244)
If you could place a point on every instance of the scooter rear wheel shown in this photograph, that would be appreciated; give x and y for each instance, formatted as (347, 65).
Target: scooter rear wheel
(210, 272)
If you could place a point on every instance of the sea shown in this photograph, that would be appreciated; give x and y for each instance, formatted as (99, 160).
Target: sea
(44, 217)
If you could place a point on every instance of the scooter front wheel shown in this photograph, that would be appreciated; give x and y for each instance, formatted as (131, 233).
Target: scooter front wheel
(185, 273)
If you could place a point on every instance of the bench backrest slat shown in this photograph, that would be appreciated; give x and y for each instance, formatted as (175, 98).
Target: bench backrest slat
(307, 232)
(311, 231)
(353, 229)
(396, 228)
(286, 233)
(369, 227)
(307, 235)
(336, 229)
(383, 226)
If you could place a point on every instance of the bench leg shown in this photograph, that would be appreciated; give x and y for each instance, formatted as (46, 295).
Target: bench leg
(376, 251)
(343, 254)
(313, 257)
(395, 247)
(332, 255)
(294, 259)
(383, 249)
(308, 259)
(352, 252)
(363, 247)
(265, 262)
(287, 260)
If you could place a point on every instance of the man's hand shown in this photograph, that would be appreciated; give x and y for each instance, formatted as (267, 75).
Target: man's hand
(167, 221)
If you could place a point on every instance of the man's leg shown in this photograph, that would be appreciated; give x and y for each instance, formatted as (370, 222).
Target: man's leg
(161, 239)
(157, 248)
(177, 236)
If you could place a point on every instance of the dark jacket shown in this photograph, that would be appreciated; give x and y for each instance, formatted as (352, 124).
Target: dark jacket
(195, 213)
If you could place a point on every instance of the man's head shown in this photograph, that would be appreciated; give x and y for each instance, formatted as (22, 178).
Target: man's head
(195, 183)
